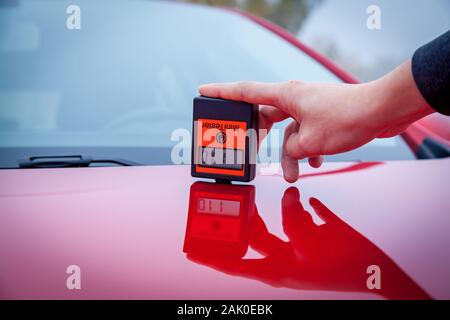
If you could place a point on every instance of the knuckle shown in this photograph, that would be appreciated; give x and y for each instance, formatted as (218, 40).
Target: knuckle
(288, 95)
(244, 85)
(242, 88)
(292, 85)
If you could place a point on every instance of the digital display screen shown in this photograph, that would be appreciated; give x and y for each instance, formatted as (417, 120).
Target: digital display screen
(221, 158)
(218, 206)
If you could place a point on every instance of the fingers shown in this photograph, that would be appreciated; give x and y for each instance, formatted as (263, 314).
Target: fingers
(265, 123)
(289, 164)
(262, 241)
(297, 222)
(248, 91)
(315, 162)
(278, 102)
(294, 147)
(324, 213)
(268, 115)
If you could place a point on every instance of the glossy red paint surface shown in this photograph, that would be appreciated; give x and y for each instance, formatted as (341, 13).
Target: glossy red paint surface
(126, 228)
(439, 125)
(436, 126)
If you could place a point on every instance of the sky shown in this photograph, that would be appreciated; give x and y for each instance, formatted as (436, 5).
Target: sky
(338, 29)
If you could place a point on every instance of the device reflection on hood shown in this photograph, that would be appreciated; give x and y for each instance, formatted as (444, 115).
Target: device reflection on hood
(219, 219)
(223, 222)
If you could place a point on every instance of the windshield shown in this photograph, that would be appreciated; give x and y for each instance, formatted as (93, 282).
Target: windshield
(124, 81)
(369, 54)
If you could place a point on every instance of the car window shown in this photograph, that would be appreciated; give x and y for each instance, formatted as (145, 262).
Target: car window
(127, 82)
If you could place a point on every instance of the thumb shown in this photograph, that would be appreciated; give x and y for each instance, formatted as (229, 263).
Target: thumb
(268, 115)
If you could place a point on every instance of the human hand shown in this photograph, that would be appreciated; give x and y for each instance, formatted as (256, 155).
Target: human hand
(332, 256)
(330, 118)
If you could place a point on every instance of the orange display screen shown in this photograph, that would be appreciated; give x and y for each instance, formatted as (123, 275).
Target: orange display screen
(220, 147)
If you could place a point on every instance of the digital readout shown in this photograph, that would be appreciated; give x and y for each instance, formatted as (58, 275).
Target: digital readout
(218, 206)
(221, 158)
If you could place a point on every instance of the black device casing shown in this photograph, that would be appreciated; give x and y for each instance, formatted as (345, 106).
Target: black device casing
(220, 109)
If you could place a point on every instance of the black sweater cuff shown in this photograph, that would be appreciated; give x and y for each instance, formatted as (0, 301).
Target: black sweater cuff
(431, 72)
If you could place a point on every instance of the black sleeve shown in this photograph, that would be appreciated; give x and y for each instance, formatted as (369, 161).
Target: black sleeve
(431, 72)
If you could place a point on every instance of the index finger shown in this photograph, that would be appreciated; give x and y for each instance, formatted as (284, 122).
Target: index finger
(247, 91)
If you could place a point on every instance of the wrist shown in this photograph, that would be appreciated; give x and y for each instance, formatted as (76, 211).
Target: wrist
(396, 101)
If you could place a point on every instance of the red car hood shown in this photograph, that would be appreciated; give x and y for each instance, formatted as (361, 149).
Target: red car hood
(126, 227)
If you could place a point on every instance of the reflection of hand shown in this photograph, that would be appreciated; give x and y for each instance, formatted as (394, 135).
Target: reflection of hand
(330, 118)
(332, 256)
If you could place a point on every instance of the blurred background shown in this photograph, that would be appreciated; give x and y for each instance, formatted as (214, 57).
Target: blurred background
(121, 85)
(337, 28)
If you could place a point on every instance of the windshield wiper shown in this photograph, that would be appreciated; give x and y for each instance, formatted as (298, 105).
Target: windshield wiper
(69, 161)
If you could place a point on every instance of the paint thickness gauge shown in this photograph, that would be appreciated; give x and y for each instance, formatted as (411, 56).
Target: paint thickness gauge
(224, 139)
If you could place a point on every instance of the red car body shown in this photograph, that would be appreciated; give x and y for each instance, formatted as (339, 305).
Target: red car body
(126, 228)
(143, 233)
